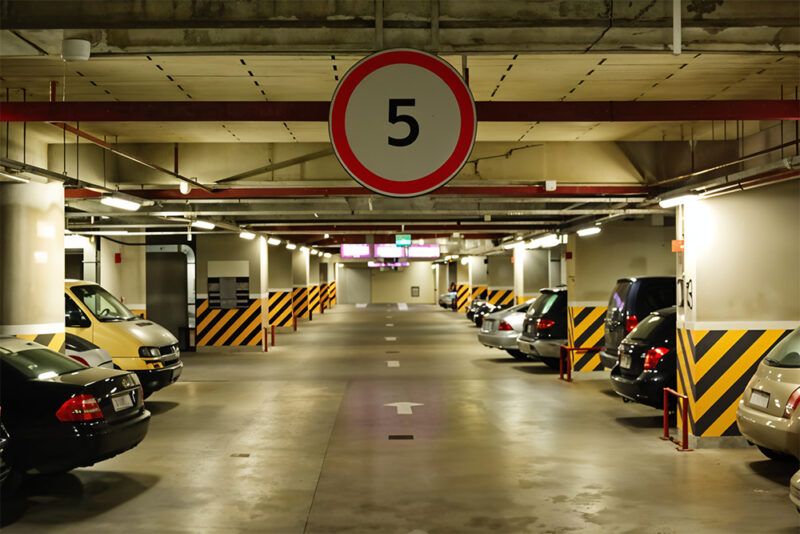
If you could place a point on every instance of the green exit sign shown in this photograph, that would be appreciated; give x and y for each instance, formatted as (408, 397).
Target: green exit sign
(402, 240)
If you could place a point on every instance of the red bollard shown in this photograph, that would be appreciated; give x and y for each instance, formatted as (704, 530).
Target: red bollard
(294, 323)
(266, 343)
(564, 352)
(666, 415)
(273, 335)
(684, 443)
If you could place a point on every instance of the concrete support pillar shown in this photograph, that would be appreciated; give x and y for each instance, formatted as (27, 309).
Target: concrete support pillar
(300, 278)
(442, 283)
(531, 272)
(462, 285)
(313, 285)
(595, 263)
(123, 271)
(500, 279)
(739, 296)
(477, 277)
(333, 271)
(279, 275)
(32, 262)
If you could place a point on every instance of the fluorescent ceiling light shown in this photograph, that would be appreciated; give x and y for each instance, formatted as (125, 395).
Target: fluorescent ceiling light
(677, 201)
(14, 177)
(327, 236)
(327, 254)
(274, 241)
(464, 260)
(246, 235)
(304, 249)
(205, 225)
(314, 252)
(513, 244)
(184, 188)
(291, 246)
(583, 232)
(120, 203)
(547, 241)
(107, 232)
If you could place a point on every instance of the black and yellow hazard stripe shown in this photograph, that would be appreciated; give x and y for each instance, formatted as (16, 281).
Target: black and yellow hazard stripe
(586, 328)
(313, 299)
(280, 308)
(229, 327)
(332, 294)
(714, 367)
(500, 297)
(462, 297)
(522, 300)
(300, 302)
(54, 342)
(323, 296)
(479, 292)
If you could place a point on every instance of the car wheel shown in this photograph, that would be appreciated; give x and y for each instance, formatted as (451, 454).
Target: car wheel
(777, 456)
(552, 363)
(517, 354)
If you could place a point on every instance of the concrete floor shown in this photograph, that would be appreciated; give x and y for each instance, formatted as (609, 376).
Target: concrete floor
(296, 440)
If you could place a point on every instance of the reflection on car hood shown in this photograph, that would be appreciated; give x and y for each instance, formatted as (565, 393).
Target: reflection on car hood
(147, 333)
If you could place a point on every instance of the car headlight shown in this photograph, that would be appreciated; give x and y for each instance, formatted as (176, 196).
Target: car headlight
(149, 352)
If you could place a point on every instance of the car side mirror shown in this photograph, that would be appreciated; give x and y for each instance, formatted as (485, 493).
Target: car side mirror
(75, 318)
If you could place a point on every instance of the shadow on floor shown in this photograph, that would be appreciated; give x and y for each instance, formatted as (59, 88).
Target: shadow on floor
(774, 471)
(645, 421)
(159, 407)
(501, 360)
(609, 392)
(536, 369)
(71, 497)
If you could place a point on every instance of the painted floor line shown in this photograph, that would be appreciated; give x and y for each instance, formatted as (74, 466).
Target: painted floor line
(361, 305)
(392, 363)
(402, 306)
(390, 338)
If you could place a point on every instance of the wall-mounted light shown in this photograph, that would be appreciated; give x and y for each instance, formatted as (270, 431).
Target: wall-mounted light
(304, 249)
(677, 201)
(327, 254)
(592, 230)
(184, 188)
(291, 246)
(313, 252)
(121, 203)
(274, 241)
(464, 260)
(247, 235)
(327, 236)
(205, 225)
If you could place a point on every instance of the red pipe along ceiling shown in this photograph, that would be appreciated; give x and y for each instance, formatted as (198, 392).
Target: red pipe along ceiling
(278, 192)
(610, 111)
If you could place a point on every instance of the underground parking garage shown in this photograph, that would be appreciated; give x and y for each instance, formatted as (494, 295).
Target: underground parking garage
(409, 267)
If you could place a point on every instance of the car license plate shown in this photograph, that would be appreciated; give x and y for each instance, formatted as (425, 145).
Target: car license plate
(122, 402)
(759, 398)
(487, 326)
(625, 361)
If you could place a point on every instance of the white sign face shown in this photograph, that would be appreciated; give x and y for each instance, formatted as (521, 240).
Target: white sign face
(402, 122)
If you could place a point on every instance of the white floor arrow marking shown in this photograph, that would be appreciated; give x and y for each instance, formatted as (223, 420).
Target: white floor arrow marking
(392, 363)
(404, 408)
(361, 305)
(390, 338)
(389, 324)
(402, 306)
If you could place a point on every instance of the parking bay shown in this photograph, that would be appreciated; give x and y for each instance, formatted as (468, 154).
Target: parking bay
(298, 440)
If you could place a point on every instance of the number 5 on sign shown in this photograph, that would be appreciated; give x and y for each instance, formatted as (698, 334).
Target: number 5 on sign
(402, 122)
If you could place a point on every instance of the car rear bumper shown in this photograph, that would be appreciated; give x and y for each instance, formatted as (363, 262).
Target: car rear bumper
(647, 388)
(525, 345)
(549, 348)
(776, 433)
(155, 379)
(608, 360)
(67, 446)
(499, 340)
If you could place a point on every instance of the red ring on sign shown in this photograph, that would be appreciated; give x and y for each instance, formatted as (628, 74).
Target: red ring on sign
(361, 173)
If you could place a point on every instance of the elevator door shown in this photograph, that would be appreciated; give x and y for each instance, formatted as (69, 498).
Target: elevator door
(166, 290)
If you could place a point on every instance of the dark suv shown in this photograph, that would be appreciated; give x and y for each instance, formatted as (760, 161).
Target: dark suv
(544, 329)
(647, 360)
(632, 300)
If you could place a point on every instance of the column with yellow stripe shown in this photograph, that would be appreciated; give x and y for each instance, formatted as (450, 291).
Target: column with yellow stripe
(229, 327)
(586, 326)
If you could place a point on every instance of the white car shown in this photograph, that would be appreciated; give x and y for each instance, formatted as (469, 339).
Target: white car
(87, 353)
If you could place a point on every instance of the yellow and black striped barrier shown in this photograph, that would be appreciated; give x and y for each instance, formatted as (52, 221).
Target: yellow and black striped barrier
(300, 302)
(280, 308)
(462, 297)
(522, 300)
(313, 299)
(479, 292)
(586, 328)
(332, 294)
(323, 296)
(714, 367)
(229, 327)
(51, 341)
(500, 297)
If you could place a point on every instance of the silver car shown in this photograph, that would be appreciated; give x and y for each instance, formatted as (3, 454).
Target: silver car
(501, 328)
(89, 354)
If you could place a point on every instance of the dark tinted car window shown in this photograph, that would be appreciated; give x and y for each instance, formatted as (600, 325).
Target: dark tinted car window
(41, 363)
(542, 304)
(786, 353)
(619, 296)
(655, 296)
(78, 344)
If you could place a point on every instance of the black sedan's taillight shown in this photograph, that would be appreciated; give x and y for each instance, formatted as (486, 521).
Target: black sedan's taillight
(82, 407)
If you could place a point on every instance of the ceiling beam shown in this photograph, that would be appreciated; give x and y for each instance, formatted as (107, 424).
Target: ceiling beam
(317, 111)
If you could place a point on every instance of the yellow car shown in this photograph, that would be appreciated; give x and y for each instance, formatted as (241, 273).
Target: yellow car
(135, 344)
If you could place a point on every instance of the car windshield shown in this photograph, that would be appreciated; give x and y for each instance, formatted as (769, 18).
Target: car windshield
(542, 304)
(617, 301)
(102, 304)
(41, 363)
(786, 353)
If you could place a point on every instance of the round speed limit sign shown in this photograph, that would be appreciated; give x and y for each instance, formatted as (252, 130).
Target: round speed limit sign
(402, 122)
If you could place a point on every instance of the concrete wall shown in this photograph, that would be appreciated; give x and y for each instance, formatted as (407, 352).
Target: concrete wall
(227, 247)
(477, 271)
(300, 268)
(743, 256)
(126, 280)
(35, 145)
(622, 249)
(354, 284)
(313, 270)
(395, 286)
(280, 268)
(500, 271)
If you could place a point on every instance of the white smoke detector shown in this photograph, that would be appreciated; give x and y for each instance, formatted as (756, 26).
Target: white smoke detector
(75, 49)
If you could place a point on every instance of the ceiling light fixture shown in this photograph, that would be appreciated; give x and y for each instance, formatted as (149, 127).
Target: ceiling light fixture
(205, 225)
(304, 249)
(274, 241)
(327, 236)
(247, 235)
(327, 254)
(14, 177)
(677, 201)
(184, 188)
(116, 201)
(592, 230)
(291, 246)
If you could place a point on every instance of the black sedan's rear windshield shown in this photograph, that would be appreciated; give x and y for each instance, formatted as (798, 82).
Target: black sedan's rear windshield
(41, 363)
(653, 326)
(542, 304)
(786, 353)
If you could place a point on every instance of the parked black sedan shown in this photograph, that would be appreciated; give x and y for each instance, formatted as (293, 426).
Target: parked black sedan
(647, 360)
(61, 414)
